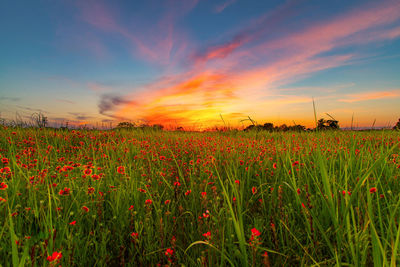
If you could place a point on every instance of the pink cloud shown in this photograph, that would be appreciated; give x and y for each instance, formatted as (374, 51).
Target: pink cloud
(156, 42)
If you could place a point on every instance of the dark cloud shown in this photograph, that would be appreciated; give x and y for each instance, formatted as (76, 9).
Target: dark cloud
(109, 102)
(32, 109)
(65, 101)
(12, 99)
(80, 116)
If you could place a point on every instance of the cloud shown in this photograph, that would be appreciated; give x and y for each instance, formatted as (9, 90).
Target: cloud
(156, 41)
(365, 96)
(221, 7)
(243, 74)
(109, 102)
(11, 99)
(65, 101)
(81, 117)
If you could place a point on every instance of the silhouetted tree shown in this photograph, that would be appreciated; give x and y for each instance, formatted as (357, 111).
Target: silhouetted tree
(282, 128)
(126, 125)
(397, 126)
(323, 124)
(268, 126)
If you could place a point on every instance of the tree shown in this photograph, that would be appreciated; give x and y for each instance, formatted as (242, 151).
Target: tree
(125, 125)
(397, 126)
(268, 126)
(323, 124)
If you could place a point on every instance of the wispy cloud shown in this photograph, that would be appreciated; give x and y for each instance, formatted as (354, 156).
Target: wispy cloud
(65, 101)
(11, 99)
(365, 96)
(159, 43)
(221, 7)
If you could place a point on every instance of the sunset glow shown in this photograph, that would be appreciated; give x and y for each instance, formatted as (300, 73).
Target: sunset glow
(200, 64)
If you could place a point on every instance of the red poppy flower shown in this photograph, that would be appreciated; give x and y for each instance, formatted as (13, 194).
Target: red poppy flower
(148, 202)
(64, 192)
(85, 209)
(3, 186)
(5, 160)
(254, 190)
(72, 223)
(169, 252)
(135, 235)
(372, 190)
(55, 256)
(207, 235)
(255, 232)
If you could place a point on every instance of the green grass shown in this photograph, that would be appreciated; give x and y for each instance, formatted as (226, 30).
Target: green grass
(308, 194)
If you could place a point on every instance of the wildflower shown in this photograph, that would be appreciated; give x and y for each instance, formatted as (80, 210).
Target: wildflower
(72, 223)
(207, 235)
(206, 214)
(55, 256)
(274, 165)
(255, 232)
(135, 235)
(298, 191)
(3, 199)
(254, 190)
(372, 190)
(121, 169)
(3, 186)
(177, 183)
(87, 171)
(204, 194)
(64, 192)
(96, 177)
(188, 192)
(169, 252)
(148, 202)
(237, 182)
(5, 161)
(90, 190)
(131, 207)
(85, 209)
(167, 202)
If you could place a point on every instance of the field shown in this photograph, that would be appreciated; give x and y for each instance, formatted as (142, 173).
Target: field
(147, 198)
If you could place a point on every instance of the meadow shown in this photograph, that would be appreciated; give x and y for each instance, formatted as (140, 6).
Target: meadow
(159, 198)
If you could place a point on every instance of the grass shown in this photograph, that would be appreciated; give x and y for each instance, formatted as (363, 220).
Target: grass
(199, 199)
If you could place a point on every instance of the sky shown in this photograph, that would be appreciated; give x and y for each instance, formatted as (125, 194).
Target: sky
(200, 63)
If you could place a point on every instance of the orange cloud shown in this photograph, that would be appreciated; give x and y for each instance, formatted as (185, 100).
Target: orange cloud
(370, 96)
